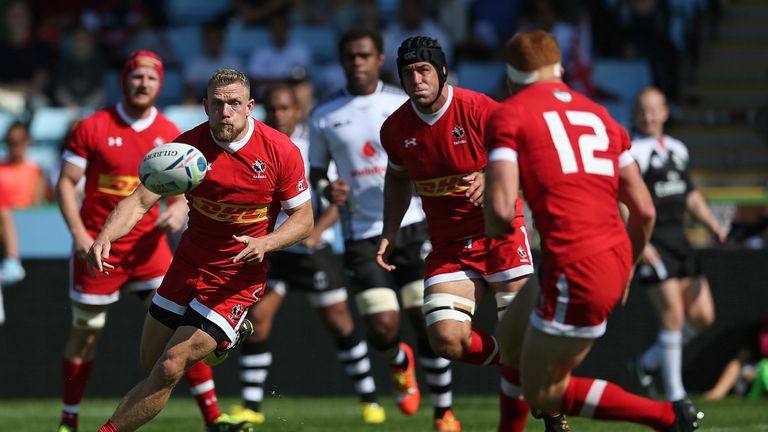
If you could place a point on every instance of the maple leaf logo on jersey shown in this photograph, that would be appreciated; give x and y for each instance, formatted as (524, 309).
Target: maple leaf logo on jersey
(368, 150)
(562, 96)
(522, 253)
(159, 141)
(301, 185)
(260, 168)
(459, 137)
(237, 310)
(410, 142)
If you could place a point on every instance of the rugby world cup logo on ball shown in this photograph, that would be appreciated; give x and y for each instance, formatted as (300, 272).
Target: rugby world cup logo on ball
(172, 169)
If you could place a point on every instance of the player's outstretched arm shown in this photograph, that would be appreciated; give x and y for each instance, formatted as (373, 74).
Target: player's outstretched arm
(397, 199)
(120, 222)
(66, 194)
(697, 205)
(296, 228)
(642, 214)
(502, 180)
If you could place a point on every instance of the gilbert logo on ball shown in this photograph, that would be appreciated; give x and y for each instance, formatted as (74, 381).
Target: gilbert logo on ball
(172, 169)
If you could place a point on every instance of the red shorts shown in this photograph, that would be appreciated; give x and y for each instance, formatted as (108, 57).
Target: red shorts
(137, 269)
(222, 297)
(494, 260)
(576, 298)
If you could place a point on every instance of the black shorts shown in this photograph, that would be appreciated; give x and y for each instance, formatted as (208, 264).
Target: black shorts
(678, 260)
(315, 272)
(411, 247)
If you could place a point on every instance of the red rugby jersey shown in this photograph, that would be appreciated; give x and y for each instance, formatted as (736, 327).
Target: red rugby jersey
(437, 151)
(110, 146)
(246, 185)
(568, 150)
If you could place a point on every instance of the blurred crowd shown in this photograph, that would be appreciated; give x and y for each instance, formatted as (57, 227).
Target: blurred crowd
(68, 54)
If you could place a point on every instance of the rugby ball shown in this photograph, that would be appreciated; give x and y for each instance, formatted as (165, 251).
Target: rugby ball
(172, 169)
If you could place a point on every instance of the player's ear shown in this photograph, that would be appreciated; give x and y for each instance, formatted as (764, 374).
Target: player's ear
(250, 105)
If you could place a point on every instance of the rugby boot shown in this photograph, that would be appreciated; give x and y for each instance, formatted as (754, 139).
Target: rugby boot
(404, 385)
(217, 356)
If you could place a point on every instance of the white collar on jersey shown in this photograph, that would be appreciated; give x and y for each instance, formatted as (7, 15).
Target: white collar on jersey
(234, 146)
(431, 119)
(138, 125)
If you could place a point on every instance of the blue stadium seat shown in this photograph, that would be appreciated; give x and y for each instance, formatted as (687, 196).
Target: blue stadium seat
(621, 111)
(321, 41)
(186, 42)
(185, 116)
(243, 40)
(50, 125)
(5, 122)
(623, 77)
(484, 77)
(187, 12)
(173, 88)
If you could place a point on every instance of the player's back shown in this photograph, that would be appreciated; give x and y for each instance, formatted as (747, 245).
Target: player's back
(568, 151)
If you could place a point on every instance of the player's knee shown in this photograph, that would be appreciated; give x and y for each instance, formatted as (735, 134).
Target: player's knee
(327, 298)
(169, 370)
(448, 344)
(88, 320)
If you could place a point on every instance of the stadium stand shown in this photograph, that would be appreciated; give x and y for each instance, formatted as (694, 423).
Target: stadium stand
(321, 41)
(185, 41)
(484, 77)
(623, 77)
(242, 40)
(50, 124)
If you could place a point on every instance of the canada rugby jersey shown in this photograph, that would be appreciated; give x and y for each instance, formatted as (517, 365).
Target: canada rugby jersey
(247, 183)
(437, 150)
(109, 145)
(345, 129)
(569, 152)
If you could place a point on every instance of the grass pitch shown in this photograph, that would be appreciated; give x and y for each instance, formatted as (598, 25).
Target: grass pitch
(289, 414)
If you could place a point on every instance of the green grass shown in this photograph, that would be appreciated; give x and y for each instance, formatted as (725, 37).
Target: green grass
(477, 413)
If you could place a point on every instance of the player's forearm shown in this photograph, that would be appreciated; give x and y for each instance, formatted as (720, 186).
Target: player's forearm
(501, 192)
(327, 218)
(124, 217)
(698, 207)
(297, 227)
(66, 193)
(639, 230)
(397, 199)
(10, 239)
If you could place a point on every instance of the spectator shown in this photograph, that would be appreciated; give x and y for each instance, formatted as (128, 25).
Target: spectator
(281, 58)
(258, 12)
(79, 78)
(412, 21)
(26, 183)
(198, 70)
(741, 372)
(11, 270)
(23, 61)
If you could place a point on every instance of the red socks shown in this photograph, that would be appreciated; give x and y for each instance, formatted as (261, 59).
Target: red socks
(108, 427)
(595, 398)
(483, 349)
(200, 380)
(513, 409)
(74, 379)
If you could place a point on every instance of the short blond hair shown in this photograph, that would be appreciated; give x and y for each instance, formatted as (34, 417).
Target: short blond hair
(223, 77)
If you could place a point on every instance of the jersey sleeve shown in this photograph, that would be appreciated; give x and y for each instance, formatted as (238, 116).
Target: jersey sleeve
(292, 187)
(386, 138)
(319, 156)
(502, 134)
(77, 149)
(625, 144)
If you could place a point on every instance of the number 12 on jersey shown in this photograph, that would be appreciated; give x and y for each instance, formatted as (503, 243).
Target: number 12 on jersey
(588, 143)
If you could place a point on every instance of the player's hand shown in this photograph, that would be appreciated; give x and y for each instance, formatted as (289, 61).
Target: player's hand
(254, 251)
(650, 255)
(721, 235)
(97, 256)
(172, 219)
(382, 254)
(476, 189)
(11, 271)
(337, 192)
(81, 243)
